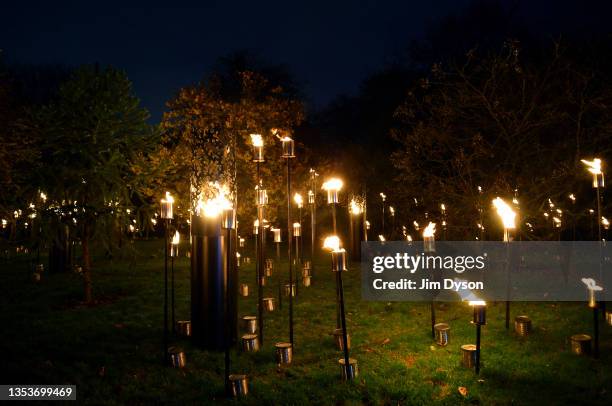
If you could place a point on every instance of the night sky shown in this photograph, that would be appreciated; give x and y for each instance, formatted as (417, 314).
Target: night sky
(330, 46)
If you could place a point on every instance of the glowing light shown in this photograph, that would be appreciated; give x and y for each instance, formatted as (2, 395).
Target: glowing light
(332, 243)
(176, 239)
(355, 207)
(443, 207)
(257, 140)
(605, 222)
(572, 197)
(297, 198)
(593, 166)
(505, 212)
(381, 237)
(167, 199)
(392, 210)
(591, 284)
(416, 225)
(332, 184)
(430, 230)
(43, 196)
(383, 196)
(477, 303)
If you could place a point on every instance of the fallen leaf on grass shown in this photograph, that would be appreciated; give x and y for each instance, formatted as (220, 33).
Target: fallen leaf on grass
(463, 391)
(386, 341)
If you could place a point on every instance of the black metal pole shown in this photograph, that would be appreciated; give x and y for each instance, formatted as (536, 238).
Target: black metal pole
(433, 319)
(301, 241)
(165, 358)
(507, 238)
(279, 278)
(383, 218)
(172, 288)
(347, 365)
(338, 311)
(228, 389)
(313, 227)
(259, 267)
(603, 303)
(289, 253)
(478, 348)
(297, 267)
(595, 332)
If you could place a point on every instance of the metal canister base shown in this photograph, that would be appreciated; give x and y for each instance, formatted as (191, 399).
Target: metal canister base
(339, 341)
(239, 384)
(581, 344)
(250, 343)
(284, 353)
(442, 334)
(177, 357)
(183, 327)
(468, 355)
(353, 369)
(522, 325)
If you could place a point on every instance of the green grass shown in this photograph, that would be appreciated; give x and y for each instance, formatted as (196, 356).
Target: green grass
(111, 350)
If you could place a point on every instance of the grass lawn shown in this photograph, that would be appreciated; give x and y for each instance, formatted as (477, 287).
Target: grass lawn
(112, 351)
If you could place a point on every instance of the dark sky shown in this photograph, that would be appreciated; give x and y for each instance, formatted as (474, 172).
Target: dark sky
(328, 45)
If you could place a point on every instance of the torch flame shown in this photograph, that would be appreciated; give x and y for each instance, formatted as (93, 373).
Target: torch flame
(168, 198)
(257, 140)
(213, 207)
(430, 230)
(332, 184)
(593, 166)
(591, 284)
(355, 207)
(332, 243)
(505, 212)
(177, 238)
(297, 198)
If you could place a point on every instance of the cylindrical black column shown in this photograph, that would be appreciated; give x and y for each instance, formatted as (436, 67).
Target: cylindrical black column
(208, 283)
(233, 286)
(356, 235)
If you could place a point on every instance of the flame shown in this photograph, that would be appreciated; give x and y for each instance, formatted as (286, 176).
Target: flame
(430, 230)
(297, 225)
(383, 196)
(332, 243)
(408, 237)
(332, 184)
(572, 197)
(591, 284)
(176, 239)
(355, 207)
(505, 212)
(381, 237)
(604, 221)
(43, 196)
(168, 198)
(392, 210)
(257, 140)
(297, 198)
(213, 207)
(593, 166)
(443, 207)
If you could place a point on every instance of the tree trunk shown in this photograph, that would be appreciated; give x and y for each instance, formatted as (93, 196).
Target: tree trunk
(88, 296)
